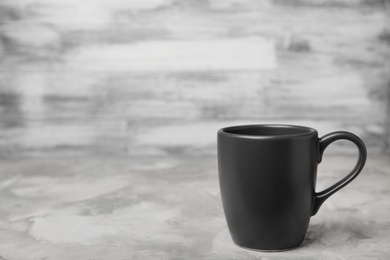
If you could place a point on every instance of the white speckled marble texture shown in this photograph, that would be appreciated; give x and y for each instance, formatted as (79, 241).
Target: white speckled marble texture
(162, 207)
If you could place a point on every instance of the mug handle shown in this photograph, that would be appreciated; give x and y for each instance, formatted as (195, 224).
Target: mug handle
(320, 197)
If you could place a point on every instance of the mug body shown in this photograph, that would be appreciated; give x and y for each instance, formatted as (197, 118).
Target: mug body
(267, 176)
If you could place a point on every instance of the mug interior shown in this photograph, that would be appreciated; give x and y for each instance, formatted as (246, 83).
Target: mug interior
(268, 130)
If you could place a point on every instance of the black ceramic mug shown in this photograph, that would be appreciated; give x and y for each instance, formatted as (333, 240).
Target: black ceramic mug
(267, 176)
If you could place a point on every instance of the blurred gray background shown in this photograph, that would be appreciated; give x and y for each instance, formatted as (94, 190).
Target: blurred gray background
(117, 77)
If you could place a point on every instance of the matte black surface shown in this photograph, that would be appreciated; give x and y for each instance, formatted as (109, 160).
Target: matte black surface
(267, 176)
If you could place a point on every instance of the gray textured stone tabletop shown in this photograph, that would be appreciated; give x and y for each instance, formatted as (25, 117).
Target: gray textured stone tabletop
(170, 208)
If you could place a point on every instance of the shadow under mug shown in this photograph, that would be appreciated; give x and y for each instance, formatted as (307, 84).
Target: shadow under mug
(267, 176)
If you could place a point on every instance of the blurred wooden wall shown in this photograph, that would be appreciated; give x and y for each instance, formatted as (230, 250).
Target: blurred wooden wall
(121, 77)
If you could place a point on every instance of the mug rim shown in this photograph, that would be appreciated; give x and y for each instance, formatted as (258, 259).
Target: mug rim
(305, 131)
